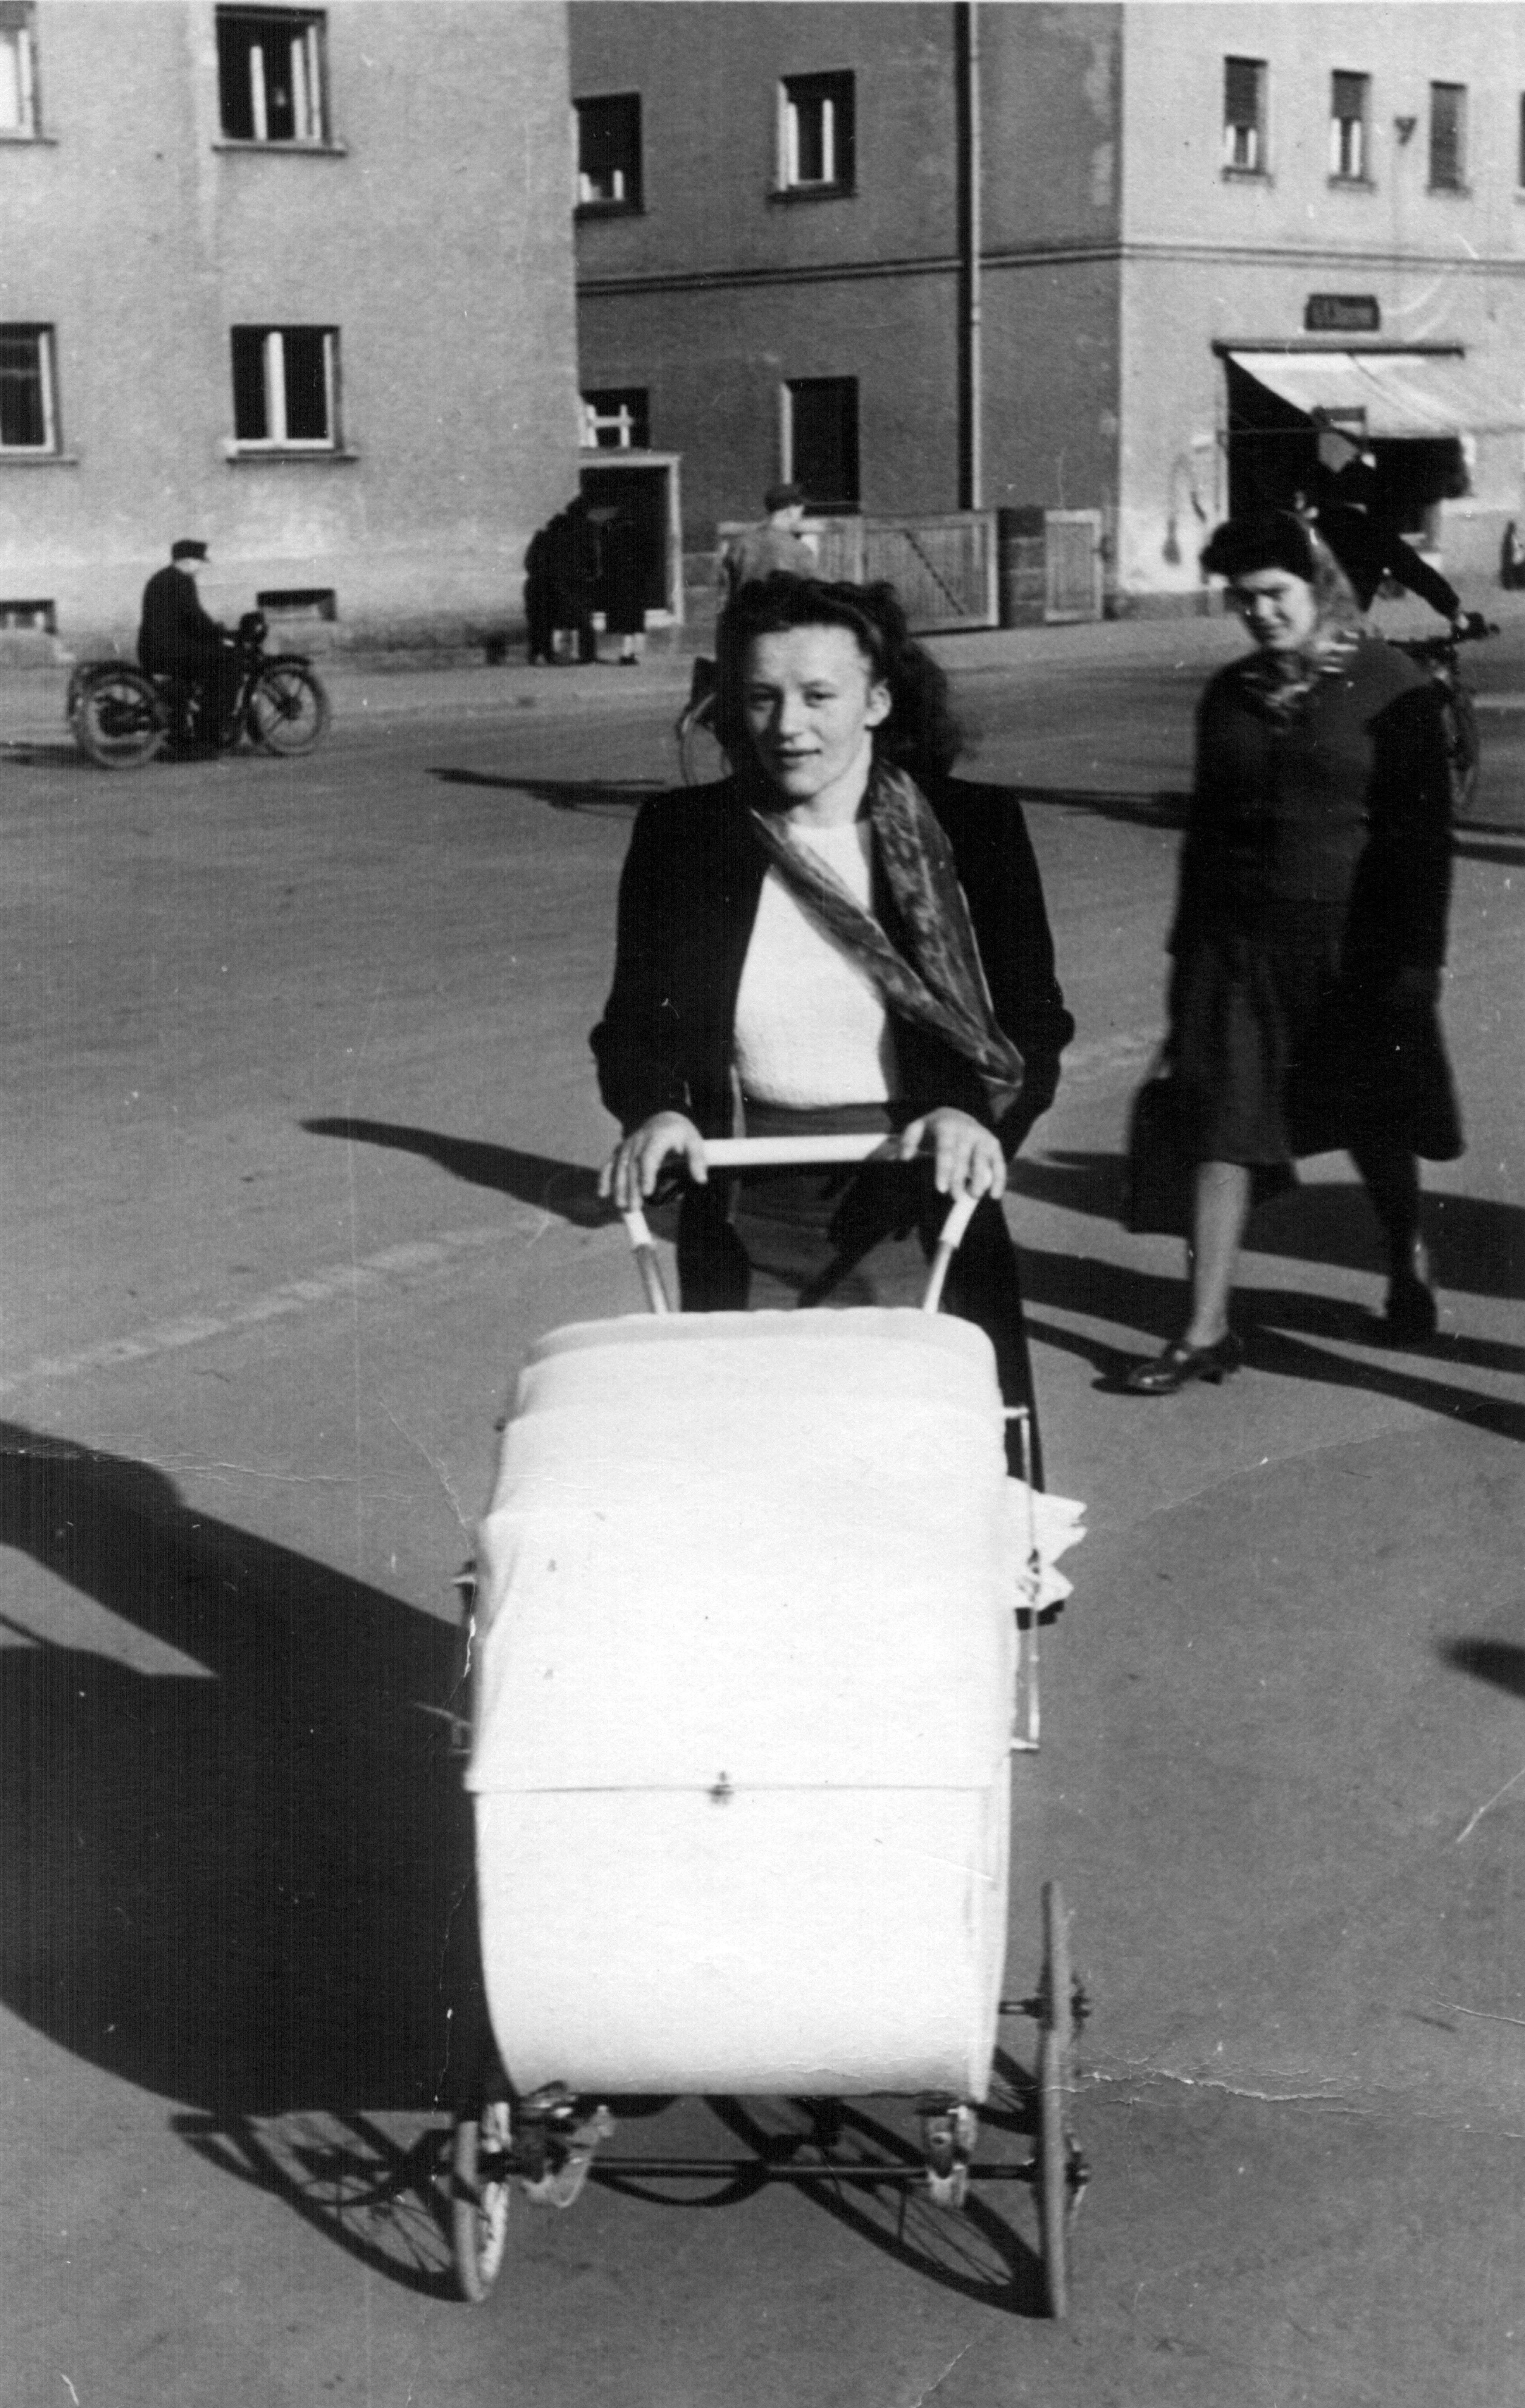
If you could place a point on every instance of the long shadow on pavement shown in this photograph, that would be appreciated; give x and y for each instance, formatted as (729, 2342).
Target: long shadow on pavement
(614, 797)
(565, 1188)
(236, 1890)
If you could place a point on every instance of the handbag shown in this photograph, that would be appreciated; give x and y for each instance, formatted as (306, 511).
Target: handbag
(1158, 1175)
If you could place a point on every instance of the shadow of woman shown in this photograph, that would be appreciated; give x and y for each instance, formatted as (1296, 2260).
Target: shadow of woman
(566, 1188)
(238, 1889)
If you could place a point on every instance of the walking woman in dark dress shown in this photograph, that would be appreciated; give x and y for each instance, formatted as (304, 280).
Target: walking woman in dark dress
(838, 936)
(1309, 932)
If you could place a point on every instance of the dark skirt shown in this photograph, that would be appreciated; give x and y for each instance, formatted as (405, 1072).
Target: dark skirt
(1278, 1052)
(852, 1235)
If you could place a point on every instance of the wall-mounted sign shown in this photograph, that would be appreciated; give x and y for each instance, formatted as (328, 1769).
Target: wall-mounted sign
(1342, 313)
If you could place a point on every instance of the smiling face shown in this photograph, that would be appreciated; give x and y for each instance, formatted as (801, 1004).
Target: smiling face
(1280, 610)
(812, 702)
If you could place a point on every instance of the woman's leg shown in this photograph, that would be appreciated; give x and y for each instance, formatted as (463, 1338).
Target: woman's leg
(1392, 1177)
(1220, 1212)
(1207, 1348)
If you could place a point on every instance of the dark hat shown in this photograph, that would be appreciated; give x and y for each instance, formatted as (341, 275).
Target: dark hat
(187, 548)
(783, 497)
(1274, 539)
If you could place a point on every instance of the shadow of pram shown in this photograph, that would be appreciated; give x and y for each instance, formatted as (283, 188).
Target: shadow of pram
(850, 2160)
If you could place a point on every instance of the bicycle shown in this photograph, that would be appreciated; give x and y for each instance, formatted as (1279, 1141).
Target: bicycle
(1439, 656)
(122, 717)
(700, 754)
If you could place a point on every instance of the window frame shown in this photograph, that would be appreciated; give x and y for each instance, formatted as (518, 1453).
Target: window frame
(1340, 171)
(312, 24)
(630, 418)
(277, 442)
(796, 472)
(591, 204)
(1457, 182)
(834, 92)
(19, 24)
(1257, 168)
(43, 335)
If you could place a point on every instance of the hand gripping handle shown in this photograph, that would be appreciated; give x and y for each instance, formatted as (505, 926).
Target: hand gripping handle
(775, 1153)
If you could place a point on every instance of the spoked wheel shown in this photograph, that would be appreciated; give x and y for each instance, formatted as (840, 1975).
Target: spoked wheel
(1056, 2037)
(118, 719)
(1463, 750)
(481, 2184)
(288, 709)
(698, 749)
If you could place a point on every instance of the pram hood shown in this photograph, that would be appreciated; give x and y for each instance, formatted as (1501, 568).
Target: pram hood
(768, 1550)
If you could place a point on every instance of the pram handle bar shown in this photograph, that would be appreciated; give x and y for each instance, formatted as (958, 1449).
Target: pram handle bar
(773, 1153)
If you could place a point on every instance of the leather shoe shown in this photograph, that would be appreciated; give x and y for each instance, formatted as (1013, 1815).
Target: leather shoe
(1179, 1363)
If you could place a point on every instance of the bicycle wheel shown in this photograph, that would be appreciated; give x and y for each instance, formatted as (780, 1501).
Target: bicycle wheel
(481, 2189)
(288, 711)
(1463, 750)
(1054, 2037)
(118, 720)
(702, 761)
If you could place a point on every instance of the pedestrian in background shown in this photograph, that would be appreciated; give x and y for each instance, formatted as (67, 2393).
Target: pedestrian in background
(1309, 932)
(624, 567)
(775, 548)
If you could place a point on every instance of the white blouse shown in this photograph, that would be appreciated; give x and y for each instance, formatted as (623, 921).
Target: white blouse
(811, 1028)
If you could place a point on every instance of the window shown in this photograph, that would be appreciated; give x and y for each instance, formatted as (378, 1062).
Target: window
(17, 71)
(1244, 116)
(299, 602)
(1348, 110)
(820, 439)
(269, 68)
(609, 153)
(26, 390)
(284, 388)
(816, 134)
(1447, 136)
(617, 419)
(38, 618)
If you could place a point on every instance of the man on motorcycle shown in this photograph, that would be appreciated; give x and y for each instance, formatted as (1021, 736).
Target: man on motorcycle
(1348, 510)
(178, 638)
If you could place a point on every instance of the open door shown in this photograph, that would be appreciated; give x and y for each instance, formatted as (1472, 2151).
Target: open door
(641, 488)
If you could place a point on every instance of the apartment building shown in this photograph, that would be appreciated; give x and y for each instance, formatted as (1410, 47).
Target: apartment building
(297, 280)
(1097, 266)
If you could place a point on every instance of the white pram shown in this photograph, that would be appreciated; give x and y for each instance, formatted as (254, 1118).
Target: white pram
(745, 1664)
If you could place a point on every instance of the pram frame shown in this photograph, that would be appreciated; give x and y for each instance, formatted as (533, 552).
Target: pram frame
(544, 2144)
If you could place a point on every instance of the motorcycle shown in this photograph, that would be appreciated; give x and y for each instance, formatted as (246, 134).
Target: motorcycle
(122, 717)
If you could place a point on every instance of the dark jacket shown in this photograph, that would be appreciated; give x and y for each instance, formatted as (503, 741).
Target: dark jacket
(688, 899)
(176, 632)
(1349, 804)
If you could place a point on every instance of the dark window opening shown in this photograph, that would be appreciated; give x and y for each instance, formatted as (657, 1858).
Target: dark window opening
(1447, 136)
(269, 68)
(1348, 99)
(25, 390)
(283, 385)
(818, 134)
(609, 153)
(823, 441)
(617, 418)
(299, 602)
(1243, 115)
(41, 616)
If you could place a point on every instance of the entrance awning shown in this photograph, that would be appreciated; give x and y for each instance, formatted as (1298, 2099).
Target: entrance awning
(1401, 393)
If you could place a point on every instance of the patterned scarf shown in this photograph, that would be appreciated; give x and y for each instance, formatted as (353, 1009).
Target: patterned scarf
(942, 986)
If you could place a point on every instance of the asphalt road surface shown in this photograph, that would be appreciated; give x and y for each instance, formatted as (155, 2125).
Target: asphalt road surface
(300, 1146)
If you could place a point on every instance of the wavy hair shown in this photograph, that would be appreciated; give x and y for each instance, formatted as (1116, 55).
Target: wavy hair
(920, 733)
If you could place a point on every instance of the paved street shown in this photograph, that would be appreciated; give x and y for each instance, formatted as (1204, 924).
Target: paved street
(301, 1142)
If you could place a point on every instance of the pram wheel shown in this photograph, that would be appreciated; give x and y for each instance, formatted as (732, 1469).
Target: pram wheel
(1058, 2166)
(482, 2176)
